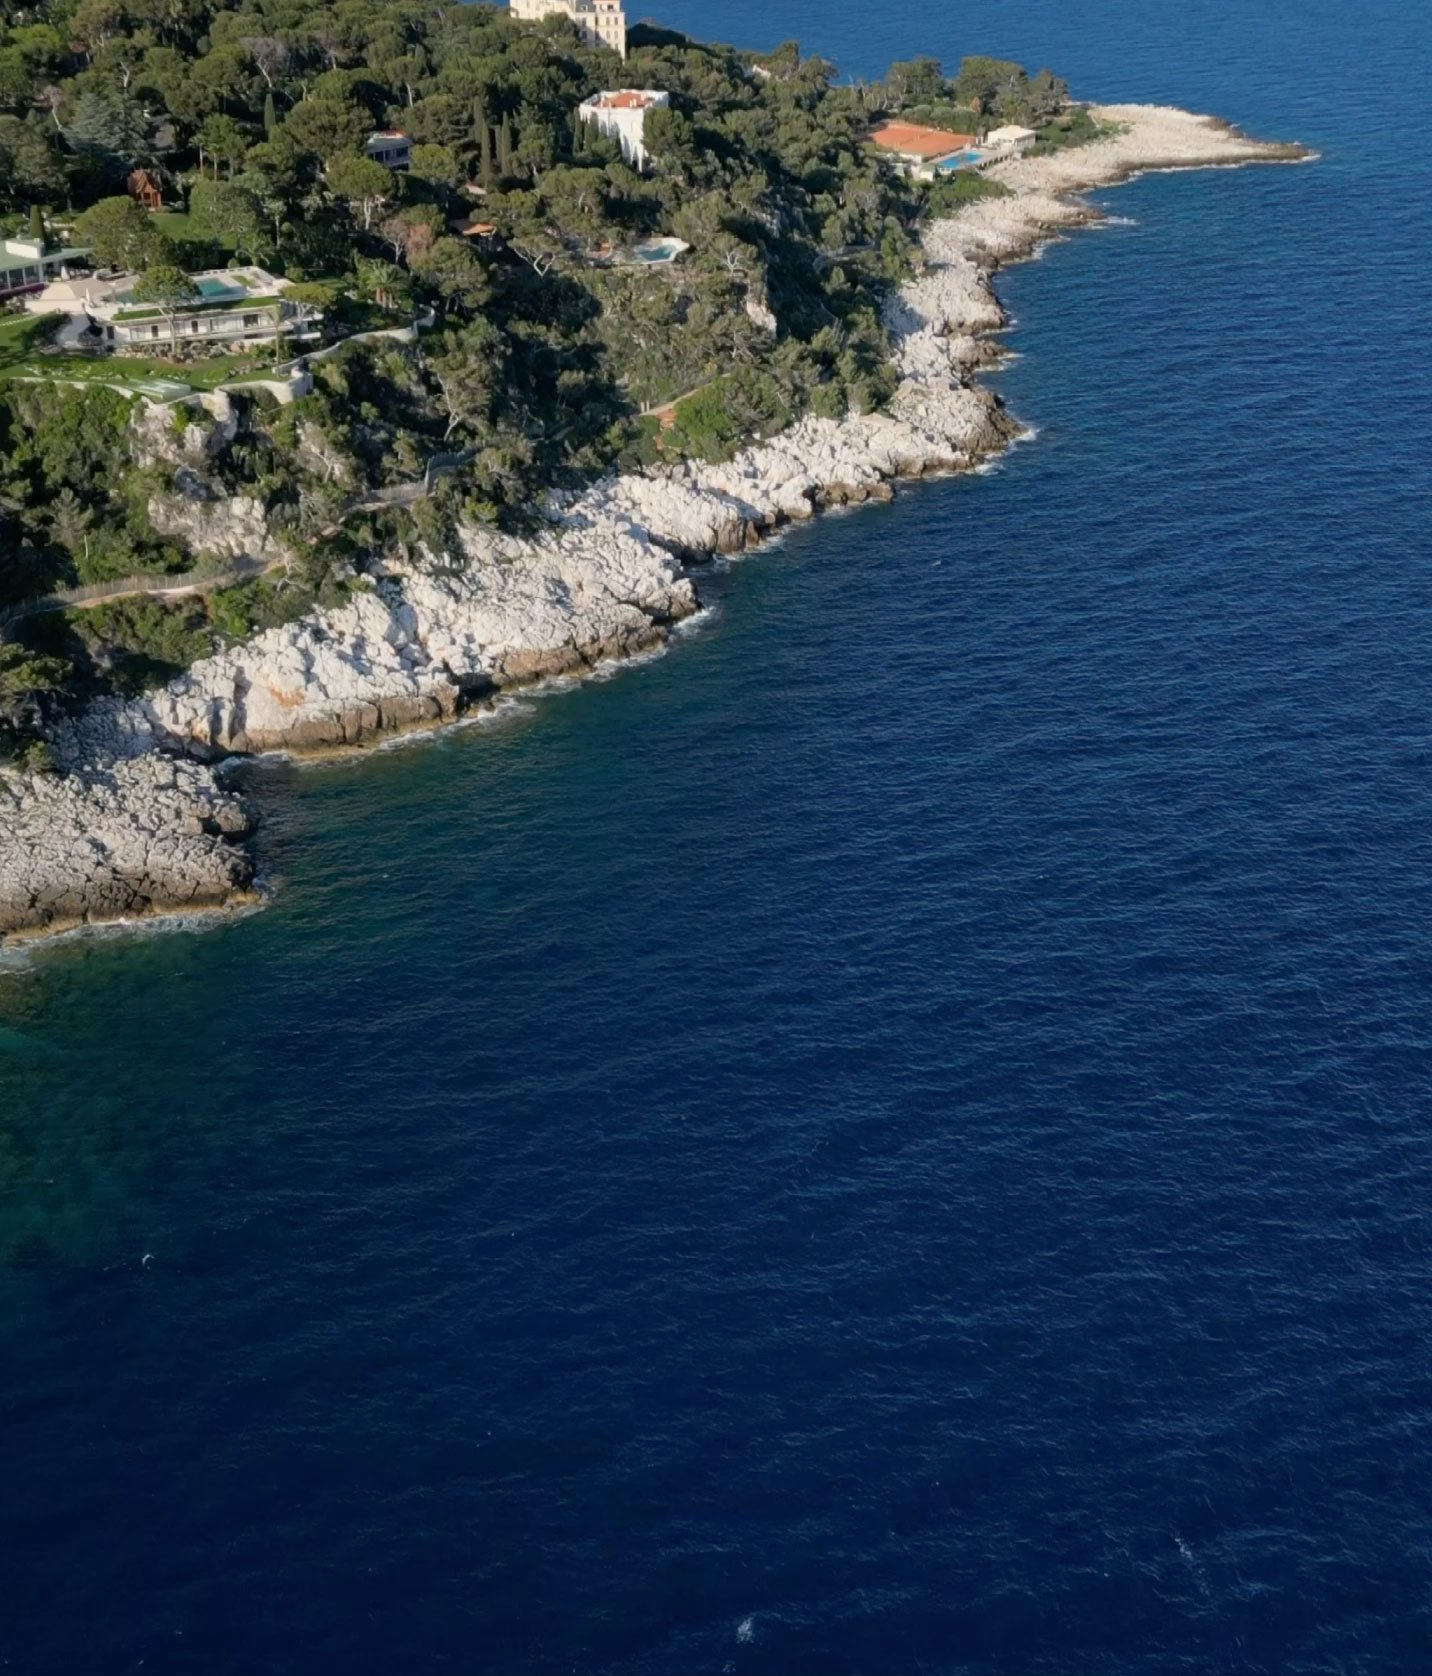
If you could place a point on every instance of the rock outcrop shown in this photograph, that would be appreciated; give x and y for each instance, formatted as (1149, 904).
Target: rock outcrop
(128, 829)
(139, 836)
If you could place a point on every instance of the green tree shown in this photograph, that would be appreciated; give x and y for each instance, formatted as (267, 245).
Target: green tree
(230, 211)
(38, 231)
(983, 83)
(221, 140)
(109, 129)
(270, 114)
(118, 231)
(670, 138)
(437, 164)
(170, 289)
(452, 270)
(468, 372)
(26, 680)
(328, 127)
(918, 81)
(363, 184)
(30, 165)
(386, 284)
(482, 131)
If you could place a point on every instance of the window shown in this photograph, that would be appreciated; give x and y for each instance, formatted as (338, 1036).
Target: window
(250, 320)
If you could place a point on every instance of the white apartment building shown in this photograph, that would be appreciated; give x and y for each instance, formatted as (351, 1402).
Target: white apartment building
(621, 116)
(601, 23)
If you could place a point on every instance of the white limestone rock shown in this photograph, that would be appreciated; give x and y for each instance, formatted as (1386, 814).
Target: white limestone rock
(140, 836)
(130, 830)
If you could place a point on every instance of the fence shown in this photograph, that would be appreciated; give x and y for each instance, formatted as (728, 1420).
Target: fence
(161, 584)
(158, 583)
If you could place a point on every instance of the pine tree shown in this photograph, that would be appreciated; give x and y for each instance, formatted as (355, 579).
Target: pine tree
(270, 115)
(109, 128)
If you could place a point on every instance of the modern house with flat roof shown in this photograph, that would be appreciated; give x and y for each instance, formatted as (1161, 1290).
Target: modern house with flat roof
(390, 147)
(600, 23)
(29, 264)
(621, 116)
(1009, 139)
(234, 306)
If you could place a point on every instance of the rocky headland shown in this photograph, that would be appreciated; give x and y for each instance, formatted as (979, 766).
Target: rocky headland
(137, 822)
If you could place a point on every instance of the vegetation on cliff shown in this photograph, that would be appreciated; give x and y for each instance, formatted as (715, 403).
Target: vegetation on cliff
(545, 355)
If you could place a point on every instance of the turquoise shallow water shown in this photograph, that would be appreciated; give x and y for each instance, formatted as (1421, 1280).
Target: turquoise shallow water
(892, 1137)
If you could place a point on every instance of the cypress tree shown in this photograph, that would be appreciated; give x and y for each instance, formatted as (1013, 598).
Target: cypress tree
(482, 132)
(37, 225)
(270, 115)
(504, 146)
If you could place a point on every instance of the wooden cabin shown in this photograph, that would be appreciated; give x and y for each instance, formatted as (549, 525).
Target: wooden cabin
(145, 190)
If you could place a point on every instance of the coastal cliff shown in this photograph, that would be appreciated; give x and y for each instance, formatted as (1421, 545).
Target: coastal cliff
(137, 823)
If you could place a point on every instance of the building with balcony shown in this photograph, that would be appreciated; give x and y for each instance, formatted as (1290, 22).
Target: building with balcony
(234, 306)
(600, 23)
(390, 147)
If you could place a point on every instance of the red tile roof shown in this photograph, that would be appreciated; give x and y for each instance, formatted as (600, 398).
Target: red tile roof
(627, 100)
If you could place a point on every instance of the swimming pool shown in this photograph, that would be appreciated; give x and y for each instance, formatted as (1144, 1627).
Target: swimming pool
(209, 287)
(961, 160)
(658, 250)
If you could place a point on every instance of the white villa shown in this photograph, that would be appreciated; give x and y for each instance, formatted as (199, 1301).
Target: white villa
(234, 306)
(1010, 139)
(390, 147)
(621, 116)
(601, 23)
(27, 264)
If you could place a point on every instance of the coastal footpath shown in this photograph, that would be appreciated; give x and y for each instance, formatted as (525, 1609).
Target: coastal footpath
(137, 822)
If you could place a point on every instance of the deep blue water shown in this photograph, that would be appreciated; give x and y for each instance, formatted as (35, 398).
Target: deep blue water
(893, 1138)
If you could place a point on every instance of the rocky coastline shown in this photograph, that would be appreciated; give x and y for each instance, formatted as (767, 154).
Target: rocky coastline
(137, 821)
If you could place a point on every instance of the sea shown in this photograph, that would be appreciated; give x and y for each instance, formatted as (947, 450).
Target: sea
(892, 1138)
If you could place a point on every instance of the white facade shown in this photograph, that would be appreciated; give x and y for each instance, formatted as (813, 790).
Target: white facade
(25, 264)
(1011, 138)
(237, 305)
(601, 23)
(621, 116)
(390, 147)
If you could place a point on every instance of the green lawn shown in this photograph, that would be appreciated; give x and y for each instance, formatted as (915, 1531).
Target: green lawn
(20, 336)
(162, 380)
(183, 228)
